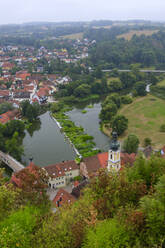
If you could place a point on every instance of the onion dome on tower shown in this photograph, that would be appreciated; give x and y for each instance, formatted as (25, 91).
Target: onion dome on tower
(114, 154)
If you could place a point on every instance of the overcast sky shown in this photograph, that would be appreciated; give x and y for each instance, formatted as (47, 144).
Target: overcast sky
(19, 11)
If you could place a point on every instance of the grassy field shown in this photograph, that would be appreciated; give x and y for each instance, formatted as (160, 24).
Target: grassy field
(146, 115)
(129, 35)
(73, 36)
(162, 83)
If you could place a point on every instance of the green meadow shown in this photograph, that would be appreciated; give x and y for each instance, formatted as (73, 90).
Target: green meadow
(146, 115)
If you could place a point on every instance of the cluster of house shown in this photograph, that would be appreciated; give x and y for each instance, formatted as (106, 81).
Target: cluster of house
(26, 86)
(18, 84)
(62, 174)
(22, 55)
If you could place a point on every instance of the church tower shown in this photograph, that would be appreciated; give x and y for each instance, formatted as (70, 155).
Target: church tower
(114, 154)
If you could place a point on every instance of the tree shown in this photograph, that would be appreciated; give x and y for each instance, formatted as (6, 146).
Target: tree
(126, 99)
(154, 209)
(108, 111)
(5, 106)
(128, 79)
(115, 85)
(131, 144)
(108, 234)
(162, 128)
(96, 88)
(104, 85)
(13, 147)
(147, 142)
(98, 72)
(140, 88)
(119, 124)
(113, 98)
(14, 126)
(32, 180)
(9, 198)
(17, 230)
(30, 111)
(82, 91)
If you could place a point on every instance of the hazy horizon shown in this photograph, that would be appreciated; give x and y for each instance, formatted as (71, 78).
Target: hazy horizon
(23, 11)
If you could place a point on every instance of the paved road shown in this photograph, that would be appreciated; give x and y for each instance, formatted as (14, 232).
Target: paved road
(151, 71)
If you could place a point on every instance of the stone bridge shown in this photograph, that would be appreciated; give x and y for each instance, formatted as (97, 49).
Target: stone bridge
(11, 162)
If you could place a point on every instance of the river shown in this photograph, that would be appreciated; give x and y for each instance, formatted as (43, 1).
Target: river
(90, 122)
(47, 145)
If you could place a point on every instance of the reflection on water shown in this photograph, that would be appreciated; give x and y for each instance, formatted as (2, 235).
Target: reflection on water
(46, 144)
(90, 122)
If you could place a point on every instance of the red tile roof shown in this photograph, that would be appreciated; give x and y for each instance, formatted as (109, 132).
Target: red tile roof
(103, 158)
(4, 92)
(94, 163)
(43, 92)
(8, 116)
(60, 169)
(63, 197)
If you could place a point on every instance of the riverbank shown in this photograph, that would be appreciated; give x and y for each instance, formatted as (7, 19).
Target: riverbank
(82, 143)
(60, 127)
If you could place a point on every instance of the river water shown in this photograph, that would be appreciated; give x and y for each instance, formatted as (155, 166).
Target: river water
(47, 145)
(90, 122)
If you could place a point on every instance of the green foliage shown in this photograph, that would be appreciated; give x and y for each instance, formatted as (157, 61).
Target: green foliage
(55, 107)
(147, 142)
(11, 135)
(115, 98)
(82, 91)
(119, 124)
(126, 99)
(5, 106)
(140, 88)
(148, 171)
(154, 209)
(8, 200)
(108, 111)
(83, 142)
(14, 126)
(30, 111)
(107, 234)
(162, 128)
(70, 230)
(115, 86)
(17, 229)
(84, 111)
(131, 144)
(13, 147)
